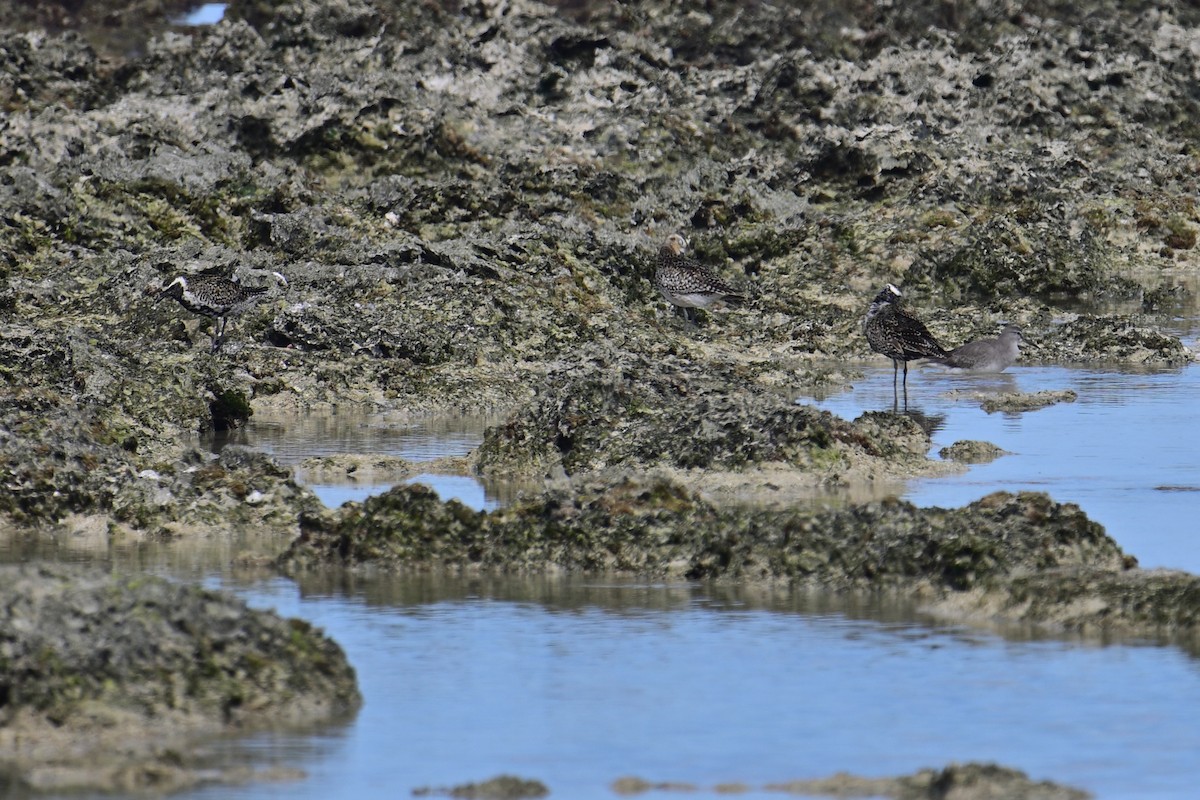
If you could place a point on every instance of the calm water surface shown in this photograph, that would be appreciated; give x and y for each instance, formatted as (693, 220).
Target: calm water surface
(1127, 451)
(577, 683)
(291, 440)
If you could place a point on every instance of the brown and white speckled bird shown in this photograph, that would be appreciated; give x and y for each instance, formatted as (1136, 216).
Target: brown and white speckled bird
(686, 283)
(897, 334)
(212, 296)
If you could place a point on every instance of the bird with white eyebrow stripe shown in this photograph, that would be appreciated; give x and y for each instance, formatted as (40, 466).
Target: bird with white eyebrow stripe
(213, 296)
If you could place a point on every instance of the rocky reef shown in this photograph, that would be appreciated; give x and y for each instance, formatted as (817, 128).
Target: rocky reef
(659, 528)
(971, 781)
(108, 679)
(1016, 558)
(970, 451)
(455, 207)
(465, 203)
(665, 410)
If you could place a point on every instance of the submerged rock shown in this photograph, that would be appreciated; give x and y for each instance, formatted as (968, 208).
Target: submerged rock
(970, 451)
(1027, 401)
(1162, 603)
(502, 787)
(971, 781)
(107, 678)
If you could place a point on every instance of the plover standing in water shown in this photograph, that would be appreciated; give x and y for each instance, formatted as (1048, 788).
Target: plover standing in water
(995, 354)
(212, 296)
(897, 334)
(685, 282)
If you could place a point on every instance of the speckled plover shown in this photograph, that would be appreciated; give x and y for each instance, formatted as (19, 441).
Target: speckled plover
(685, 282)
(212, 296)
(995, 354)
(897, 334)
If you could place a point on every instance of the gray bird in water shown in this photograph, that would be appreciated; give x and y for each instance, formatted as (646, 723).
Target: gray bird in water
(995, 354)
(212, 296)
(685, 282)
(897, 334)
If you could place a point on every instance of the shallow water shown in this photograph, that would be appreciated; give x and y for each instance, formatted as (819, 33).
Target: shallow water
(577, 683)
(465, 489)
(670, 685)
(1127, 451)
(203, 14)
(291, 440)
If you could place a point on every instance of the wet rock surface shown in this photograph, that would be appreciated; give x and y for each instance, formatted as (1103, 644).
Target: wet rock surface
(465, 201)
(970, 781)
(1016, 402)
(1027, 401)
(502, 787)
(107, 677)
(659, 528)
(1135, 602)
(1019, 557)
(969, 451)
(56, 476)
(667, 411)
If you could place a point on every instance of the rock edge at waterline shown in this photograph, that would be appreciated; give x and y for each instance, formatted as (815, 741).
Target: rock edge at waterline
(1006, 557)
(110, 681)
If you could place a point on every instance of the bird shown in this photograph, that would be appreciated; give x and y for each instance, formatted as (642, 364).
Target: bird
(995, 354)
(686, 283)
(897, 334)
(212, 296)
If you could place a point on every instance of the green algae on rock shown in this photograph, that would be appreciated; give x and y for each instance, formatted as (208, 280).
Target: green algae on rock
(656, 527)
(1010, 402)
(1115, 339)
(636, 412)
(230, 409)
(1006, 557)
(452, 234)
(56, 473)
(1035, 255)
(108, 677)
(1132, 603)
(501, 787)
(971, 451)
(970, 781)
